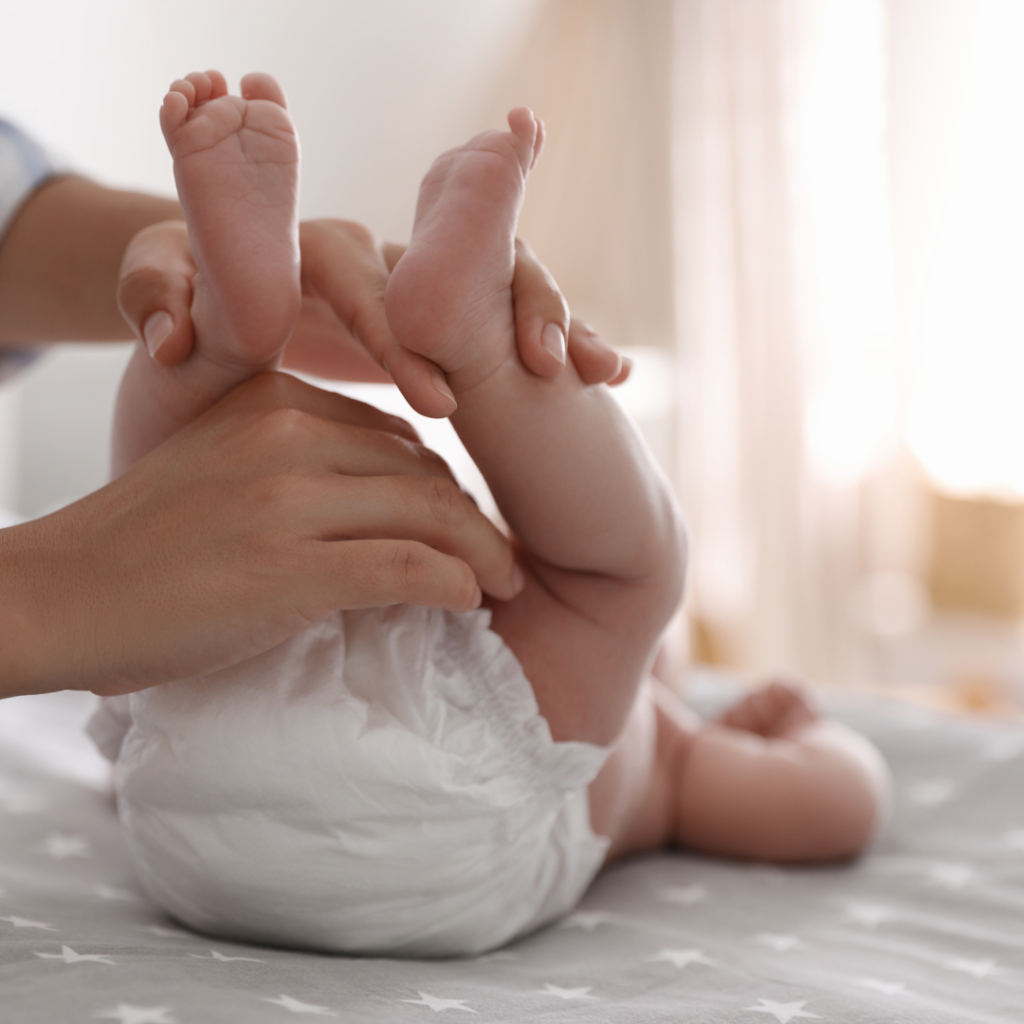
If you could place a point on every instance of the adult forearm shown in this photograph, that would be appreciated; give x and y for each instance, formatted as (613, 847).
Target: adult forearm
(61, 258)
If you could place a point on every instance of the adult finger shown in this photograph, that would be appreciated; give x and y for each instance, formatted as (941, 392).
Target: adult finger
(321, 578)
(344, 263)
(347, 450)
(542, 315)
(595, 361)
(545, 334)
(322, 346)
(374, 573)
(359, 442)
(385, 484)
(427, 509)
(282, 393)
(154, 292)
(392, 253)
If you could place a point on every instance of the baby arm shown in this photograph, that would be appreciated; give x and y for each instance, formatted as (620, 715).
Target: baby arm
(774, 781)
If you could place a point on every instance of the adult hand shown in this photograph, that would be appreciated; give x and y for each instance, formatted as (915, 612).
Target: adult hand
(342, 332)
(346, 267)
(279, 505)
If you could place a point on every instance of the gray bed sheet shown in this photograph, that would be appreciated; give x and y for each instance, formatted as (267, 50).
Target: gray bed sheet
(929, 927)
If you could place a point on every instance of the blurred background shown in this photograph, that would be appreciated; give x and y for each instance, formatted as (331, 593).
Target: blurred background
(804, 218)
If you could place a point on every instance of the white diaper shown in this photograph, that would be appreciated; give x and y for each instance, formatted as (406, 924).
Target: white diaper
(382, 783)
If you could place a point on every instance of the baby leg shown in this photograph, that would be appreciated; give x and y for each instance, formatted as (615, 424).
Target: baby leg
(771, 781)
(236, 167)
(600, 538)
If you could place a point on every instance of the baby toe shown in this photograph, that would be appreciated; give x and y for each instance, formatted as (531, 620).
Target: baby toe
(183, 87)
(258, 86)
(218, 84)
(201, 83)
(526, 133)
(174, 111)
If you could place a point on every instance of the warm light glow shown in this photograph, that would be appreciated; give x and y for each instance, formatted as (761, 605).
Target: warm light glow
(843, 241)
(966, 417)
(851, 423)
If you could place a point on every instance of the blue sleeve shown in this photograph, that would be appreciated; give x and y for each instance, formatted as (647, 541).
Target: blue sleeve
(24, 166)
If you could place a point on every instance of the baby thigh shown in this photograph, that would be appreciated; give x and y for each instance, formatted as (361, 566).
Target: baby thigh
(632, 799)
(816, 795)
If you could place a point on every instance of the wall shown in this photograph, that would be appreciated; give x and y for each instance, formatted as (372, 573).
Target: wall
(376, 89)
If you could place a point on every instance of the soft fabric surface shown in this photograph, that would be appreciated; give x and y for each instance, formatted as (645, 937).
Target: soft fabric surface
(929, 928)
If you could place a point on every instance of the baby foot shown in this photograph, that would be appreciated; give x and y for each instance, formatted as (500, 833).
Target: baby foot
(449, 296)
(236, 165)
(773, 710)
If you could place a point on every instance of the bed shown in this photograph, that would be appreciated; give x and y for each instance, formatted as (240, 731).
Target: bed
(929, 927)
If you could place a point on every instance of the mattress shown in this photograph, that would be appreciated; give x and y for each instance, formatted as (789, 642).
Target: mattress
(929, 927)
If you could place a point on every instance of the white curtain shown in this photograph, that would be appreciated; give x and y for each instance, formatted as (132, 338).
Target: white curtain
(740, 183)
(785, 319)
(671, 207)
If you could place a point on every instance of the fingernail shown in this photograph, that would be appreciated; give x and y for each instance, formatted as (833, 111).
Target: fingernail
(156, 330)
(553, 340)
(442, 386)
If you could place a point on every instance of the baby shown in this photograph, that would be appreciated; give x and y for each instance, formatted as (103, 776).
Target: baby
(405, 780)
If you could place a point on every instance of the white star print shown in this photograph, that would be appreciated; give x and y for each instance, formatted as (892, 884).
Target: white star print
(587, 920)
(125, 1013)
(299, 1007)
(61, 847)
(932, 792)
(683, 957)
(437, 1004)
(214, 955)
(951, 876)
(783, 1012)
(110, 892)
(870, 914)
(978, 968)
(69, 956)
(780, 943)
(685, 895)
(566, 993)
(24, 922)
(1015, 838)
(890, 988)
